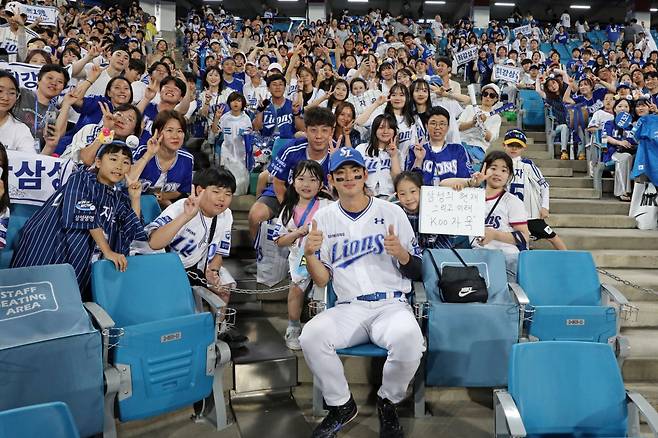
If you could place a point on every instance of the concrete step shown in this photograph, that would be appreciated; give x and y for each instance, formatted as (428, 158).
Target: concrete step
(536, 135)
(586, 206)
(590, 221)
(603, 239)
(575, 182)
(640, 370)
(644, 345)
(647, 278)
(573, 193)
(646, 317)
(242, 203)
(557, 172)
(537, 154)
(619, 259)
(577, 166)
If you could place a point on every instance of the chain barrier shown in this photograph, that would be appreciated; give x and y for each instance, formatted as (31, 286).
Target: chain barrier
(196, 277)
(627, 283)
(628, 312)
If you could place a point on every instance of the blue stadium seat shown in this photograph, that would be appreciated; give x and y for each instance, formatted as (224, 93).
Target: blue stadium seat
(49, 349)
(572, 305)
(165, 351)
(545, 48)
(150, 208)
(468, 345)
(48, 419)
(565, 53)
(568, 389)
(18, 215)
(532, 109)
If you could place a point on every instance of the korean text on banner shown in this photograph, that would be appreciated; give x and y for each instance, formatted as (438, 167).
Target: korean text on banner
(447, 211)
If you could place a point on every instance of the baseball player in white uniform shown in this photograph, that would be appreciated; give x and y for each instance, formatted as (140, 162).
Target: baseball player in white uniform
(367, 248)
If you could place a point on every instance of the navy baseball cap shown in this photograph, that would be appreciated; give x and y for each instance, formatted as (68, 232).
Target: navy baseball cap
(344, 156)
(116, 143)
(516, 136)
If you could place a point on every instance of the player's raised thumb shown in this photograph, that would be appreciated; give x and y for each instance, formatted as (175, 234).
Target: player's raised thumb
(391, 231)
(314, 225)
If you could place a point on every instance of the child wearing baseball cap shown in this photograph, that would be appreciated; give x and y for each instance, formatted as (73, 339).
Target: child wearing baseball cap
(530, 186)
(88, 218)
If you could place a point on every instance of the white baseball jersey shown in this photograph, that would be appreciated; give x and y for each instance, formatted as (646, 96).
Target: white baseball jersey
(364, 101)
(191, 243)
(599, 118)
(408, 135)
(353, 248)
(530, 186)
(473, 136)
(379, 181)
(233, 128)
(255, 94)
(510, 211)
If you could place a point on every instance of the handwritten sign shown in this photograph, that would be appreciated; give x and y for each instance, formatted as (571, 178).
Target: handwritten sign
(525, 30)
(26, 299)
(506, 73)
(47, 14)
(466, 55)
(34, 178)
(446, 211)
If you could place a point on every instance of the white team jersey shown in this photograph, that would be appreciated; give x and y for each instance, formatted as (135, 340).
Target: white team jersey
(530, 186)
(454, 109)
(473, 136)
(233, 128)
(599, 118)
(353, 248)
(255, 94)
(364, 101)
(191, 242)
(408, 135)
(510, 211)
(291, 89)
(379, 181)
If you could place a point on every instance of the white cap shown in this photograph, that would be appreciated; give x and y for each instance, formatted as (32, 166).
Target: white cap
(213, 41)
(275, 65)
(13, 7)
(493, 87)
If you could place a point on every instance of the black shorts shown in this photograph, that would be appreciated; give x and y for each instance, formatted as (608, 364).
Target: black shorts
(539, 229)
(272, 203)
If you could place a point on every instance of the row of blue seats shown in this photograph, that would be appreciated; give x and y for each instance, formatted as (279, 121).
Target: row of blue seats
(160, 355)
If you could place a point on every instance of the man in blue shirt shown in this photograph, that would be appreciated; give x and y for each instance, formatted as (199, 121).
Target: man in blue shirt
(319, 125)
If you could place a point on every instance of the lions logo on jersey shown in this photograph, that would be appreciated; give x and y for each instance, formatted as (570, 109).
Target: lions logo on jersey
(349, 251)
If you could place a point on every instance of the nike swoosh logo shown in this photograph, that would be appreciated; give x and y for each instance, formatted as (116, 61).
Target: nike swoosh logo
(463, 294)
(638, 215)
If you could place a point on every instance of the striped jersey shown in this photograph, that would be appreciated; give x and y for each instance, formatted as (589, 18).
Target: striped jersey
(59, 231)
(449, 162)
(530, 186)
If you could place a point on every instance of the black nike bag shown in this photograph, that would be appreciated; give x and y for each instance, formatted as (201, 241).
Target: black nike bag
(461, 284)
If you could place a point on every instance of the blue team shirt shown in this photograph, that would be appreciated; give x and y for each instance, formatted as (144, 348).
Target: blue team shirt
(179, 176)
(236, 85)
(150, 113)
(451, 162)
(90, 114)
(611, 130)
(646, 160)
(281, 118)
(613, 31)
(283, 165)
(595, 103)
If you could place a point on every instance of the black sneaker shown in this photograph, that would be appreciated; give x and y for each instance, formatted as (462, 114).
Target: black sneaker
(389, 424)
(337, 418)
(234, 338)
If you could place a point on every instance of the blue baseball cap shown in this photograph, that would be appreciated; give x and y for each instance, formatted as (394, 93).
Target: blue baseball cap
(344, 156)
(516, 136)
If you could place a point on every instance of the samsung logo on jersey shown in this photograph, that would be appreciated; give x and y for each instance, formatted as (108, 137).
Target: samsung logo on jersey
(349, 251)
(440, 168)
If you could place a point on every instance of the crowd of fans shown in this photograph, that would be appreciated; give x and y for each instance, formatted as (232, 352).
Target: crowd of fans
(189, 123)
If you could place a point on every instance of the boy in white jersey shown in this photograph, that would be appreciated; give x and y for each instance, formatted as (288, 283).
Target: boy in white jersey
(368, 250)
(530, 186)
(198, 229)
